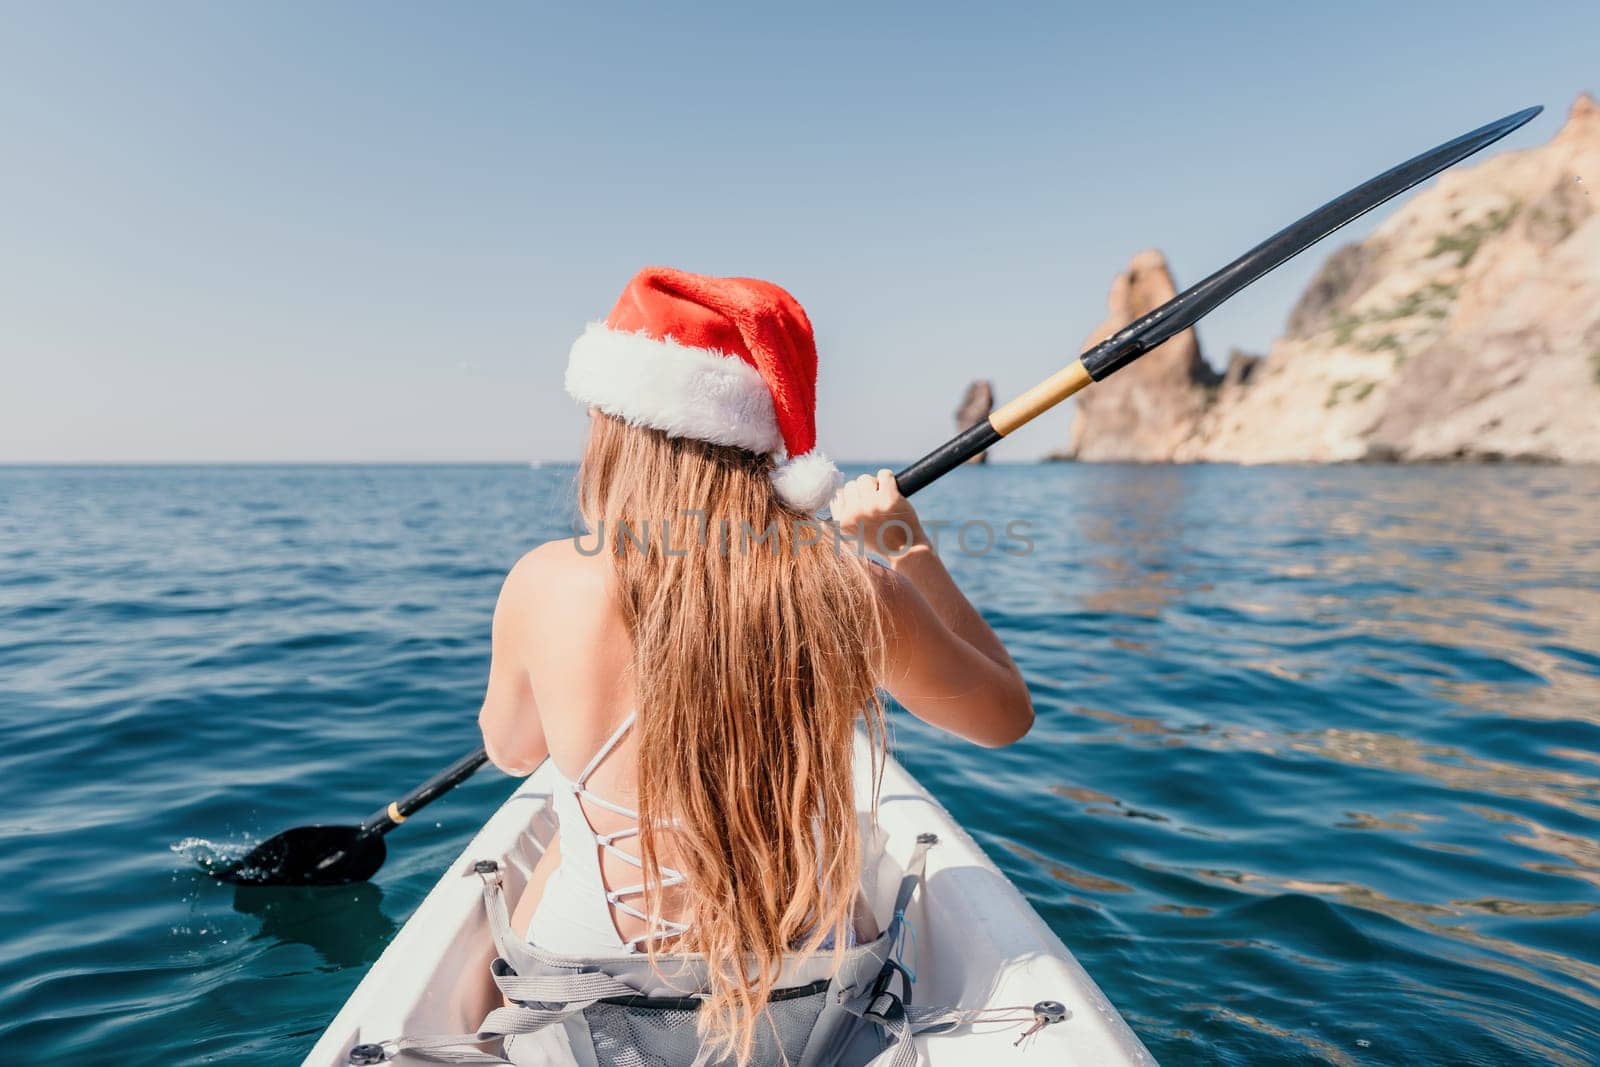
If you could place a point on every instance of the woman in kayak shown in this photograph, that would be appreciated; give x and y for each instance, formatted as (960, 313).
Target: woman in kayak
(697, 663)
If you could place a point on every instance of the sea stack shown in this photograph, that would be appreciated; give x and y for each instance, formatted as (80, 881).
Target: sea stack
(976, 403)
(1150, 407)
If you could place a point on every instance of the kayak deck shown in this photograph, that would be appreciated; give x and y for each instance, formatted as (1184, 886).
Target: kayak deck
(975, 943)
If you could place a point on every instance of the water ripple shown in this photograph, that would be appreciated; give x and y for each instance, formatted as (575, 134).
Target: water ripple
(1315, 776)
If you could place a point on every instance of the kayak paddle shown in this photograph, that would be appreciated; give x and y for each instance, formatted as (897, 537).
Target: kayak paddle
(1191, 305)
(335, 855)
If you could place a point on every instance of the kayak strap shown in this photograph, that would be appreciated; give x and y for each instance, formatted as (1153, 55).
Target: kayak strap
(610, 1011)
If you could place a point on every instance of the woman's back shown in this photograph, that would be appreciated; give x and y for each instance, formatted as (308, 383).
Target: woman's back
(748, 644)
(561, 613)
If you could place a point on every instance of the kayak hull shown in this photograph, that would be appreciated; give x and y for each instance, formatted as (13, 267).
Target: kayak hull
(975, 942)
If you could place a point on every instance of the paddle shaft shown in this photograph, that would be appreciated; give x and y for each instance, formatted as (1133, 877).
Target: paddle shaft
(398, 811)
(1191, 305)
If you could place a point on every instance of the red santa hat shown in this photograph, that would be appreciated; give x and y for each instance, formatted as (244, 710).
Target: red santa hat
(726, 360)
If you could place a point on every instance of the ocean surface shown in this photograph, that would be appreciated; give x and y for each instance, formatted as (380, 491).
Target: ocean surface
(1315, 779)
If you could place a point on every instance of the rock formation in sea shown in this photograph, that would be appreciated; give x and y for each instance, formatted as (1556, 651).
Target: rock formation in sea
(1466, 327)
(1150, 407)
(976, 403)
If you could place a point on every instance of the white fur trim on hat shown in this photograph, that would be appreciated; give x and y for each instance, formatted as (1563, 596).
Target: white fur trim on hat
(807, 482)
(687, 392)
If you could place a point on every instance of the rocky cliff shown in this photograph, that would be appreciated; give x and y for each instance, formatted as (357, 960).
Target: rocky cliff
(1466, 327)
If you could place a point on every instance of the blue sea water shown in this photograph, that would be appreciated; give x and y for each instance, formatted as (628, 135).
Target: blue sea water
(1315, 779)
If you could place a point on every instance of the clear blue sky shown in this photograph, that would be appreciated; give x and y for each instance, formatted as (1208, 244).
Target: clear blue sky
(370, 231)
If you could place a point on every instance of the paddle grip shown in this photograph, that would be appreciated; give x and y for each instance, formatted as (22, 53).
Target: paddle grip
(386, 819)
(947, 457)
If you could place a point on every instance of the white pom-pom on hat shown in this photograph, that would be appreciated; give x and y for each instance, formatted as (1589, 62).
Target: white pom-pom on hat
(807, 482)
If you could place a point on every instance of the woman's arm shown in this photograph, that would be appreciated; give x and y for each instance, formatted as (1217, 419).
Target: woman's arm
(512, 733)
(943, 662)
(919, 563)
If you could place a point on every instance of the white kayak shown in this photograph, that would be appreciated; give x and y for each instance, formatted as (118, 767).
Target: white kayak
(975, 943)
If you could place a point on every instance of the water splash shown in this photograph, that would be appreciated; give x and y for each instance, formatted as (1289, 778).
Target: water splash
(211, 856)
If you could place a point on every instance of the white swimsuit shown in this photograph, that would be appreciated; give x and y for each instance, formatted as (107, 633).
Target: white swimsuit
(574, 915)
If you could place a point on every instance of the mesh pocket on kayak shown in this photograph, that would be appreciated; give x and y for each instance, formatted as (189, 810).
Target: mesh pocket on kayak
(658, 1032)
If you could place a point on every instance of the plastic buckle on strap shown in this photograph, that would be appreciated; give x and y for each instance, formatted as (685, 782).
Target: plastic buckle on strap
(488, 870)
(880, 985)
(885, 1008)
(368, 1054)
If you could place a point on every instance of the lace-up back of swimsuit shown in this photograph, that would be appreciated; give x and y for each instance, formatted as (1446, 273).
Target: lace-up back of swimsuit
(577, 912)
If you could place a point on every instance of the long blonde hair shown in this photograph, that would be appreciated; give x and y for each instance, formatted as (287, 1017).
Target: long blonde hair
(753, 661)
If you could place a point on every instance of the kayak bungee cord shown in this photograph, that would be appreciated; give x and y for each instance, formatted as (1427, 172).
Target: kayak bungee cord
(337, 855)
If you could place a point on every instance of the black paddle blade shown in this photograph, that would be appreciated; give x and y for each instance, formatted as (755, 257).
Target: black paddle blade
(1191, 305)
(309, 855)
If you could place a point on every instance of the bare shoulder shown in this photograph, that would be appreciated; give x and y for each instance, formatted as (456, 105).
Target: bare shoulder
(555, 569)
(558, 609)
(553, 583)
